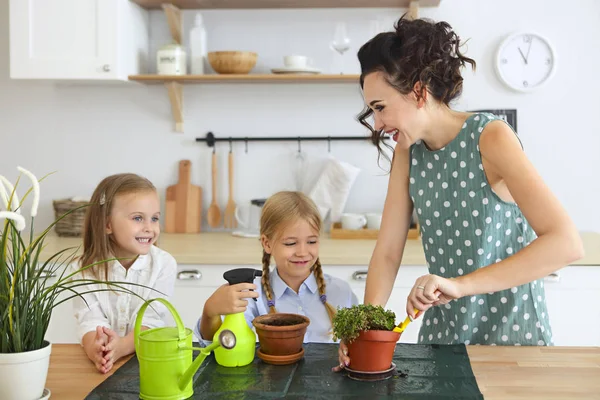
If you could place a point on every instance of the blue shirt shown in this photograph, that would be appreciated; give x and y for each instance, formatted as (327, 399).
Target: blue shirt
(306, 302)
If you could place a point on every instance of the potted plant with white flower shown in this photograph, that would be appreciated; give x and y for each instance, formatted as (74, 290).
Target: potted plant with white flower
(27, 298)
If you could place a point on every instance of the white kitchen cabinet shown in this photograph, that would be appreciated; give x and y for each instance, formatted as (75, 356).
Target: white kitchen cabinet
(571, 296)
(194, 285)
(77, 39)
(62, 327)
(572, 300)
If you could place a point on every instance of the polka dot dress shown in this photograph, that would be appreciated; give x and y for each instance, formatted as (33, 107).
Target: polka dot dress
(466, 226)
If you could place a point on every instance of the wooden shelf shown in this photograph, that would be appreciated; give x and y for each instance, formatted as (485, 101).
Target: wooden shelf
(172, 9)
(174, 84)
(256, 4)
(249, 78)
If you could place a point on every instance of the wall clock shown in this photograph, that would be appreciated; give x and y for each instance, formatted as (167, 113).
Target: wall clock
(525, 61)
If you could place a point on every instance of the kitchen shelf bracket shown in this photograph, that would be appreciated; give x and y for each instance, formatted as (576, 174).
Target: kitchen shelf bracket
(176, 96)
(413, 9)
(174, 20)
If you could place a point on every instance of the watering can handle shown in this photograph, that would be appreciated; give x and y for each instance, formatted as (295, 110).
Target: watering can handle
(140, 316)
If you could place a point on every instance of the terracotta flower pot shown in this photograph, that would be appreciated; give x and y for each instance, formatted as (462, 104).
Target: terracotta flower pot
(281, 334)
(372, 350)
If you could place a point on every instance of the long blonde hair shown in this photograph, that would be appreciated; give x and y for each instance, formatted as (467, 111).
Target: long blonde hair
(279, 211)
(97, 244)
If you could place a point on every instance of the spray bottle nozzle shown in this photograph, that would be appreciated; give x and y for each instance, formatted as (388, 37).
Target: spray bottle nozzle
(240, 275)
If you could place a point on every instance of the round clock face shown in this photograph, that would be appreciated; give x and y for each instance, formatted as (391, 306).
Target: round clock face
(525, 61)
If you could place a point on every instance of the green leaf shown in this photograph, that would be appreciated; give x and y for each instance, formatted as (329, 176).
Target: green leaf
(349, 322)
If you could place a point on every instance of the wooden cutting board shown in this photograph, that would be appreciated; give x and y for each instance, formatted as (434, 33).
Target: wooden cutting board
(184, 203)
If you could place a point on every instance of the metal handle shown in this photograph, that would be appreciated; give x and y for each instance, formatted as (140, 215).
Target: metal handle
(106, 68)
(45, 275)
(360, 276)
(553, 277)
(189, 275)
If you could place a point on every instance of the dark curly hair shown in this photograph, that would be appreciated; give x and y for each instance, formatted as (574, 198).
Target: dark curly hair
(419, 50)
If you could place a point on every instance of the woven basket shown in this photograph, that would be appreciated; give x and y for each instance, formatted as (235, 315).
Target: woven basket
(72, 224)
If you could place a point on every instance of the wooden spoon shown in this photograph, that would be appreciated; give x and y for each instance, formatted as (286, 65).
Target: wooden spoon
(214, 213)
(230, 221)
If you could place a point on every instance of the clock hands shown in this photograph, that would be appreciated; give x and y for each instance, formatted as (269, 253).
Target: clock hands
(526, 57)
(522, 55)
(529, 49)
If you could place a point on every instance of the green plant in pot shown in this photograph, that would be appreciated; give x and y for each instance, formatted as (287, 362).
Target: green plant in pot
(368, 332)
(27, 294)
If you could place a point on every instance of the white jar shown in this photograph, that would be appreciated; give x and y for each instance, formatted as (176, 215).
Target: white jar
(170, 60)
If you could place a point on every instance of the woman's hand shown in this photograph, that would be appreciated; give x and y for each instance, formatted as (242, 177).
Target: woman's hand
(343, 358)
(229, 299)
(432, 290)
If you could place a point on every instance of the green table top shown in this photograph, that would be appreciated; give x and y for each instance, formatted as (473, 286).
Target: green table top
(422, 372)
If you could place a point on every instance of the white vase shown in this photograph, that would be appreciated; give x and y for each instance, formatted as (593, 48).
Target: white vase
(23, 375)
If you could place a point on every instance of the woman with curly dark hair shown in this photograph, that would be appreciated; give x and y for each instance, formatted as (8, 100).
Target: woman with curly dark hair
(490, 227)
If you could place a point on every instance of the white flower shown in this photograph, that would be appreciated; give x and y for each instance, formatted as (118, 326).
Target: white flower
(36, 190)
(15, 198)
(18, 218)
(3, 195)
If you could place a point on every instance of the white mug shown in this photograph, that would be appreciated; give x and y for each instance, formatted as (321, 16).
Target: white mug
(353, 221)
(296, 61)
(373, 221)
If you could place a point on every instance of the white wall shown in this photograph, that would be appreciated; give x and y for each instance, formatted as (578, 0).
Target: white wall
(87, 132)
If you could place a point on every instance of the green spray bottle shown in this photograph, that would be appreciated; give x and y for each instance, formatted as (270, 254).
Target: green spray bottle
(244, 350)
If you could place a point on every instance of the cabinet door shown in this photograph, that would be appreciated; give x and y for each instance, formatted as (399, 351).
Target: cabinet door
(194, 285)
(571, 297)
(62, 327)
(63, 39)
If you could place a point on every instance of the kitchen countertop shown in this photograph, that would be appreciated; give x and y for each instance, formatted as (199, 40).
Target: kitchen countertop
(502, 372)
(222, 248)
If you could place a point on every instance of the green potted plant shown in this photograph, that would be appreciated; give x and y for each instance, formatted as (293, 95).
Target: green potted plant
(367, 330)
(26, 296)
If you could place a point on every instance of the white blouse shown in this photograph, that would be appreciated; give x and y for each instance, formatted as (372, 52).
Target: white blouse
(117, 310)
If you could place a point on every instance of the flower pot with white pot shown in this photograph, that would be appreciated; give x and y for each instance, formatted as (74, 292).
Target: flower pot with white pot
(27, 298)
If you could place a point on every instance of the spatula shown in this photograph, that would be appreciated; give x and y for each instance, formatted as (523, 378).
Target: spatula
(230, 221)
(214, 213)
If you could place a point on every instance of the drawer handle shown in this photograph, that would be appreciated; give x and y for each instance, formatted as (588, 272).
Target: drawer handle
(553, 277)
(359, 276)
(45, 275)
(189, 275)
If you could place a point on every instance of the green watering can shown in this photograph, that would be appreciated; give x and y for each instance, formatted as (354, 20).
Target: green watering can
(165, 357)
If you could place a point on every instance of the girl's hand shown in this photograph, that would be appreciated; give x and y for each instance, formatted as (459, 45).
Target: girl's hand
(343, 358)
(95, 349)
(112, 349)
(432, 290)
(229, 299)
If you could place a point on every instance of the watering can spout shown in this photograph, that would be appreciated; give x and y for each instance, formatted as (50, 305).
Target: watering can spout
(226, 340)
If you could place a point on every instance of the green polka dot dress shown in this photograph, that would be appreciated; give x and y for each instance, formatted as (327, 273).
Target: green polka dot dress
(466, 226)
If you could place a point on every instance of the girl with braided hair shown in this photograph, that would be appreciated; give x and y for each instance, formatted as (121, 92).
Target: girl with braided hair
(290, 227)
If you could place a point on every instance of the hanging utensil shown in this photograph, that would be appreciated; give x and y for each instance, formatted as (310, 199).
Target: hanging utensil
(214, 213)
(230, 220)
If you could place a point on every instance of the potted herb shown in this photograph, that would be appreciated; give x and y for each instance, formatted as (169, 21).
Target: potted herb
(26, 297)
(368, 332)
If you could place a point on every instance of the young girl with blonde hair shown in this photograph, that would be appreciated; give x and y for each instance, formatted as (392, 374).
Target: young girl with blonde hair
(122, 223)
(290, 227)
